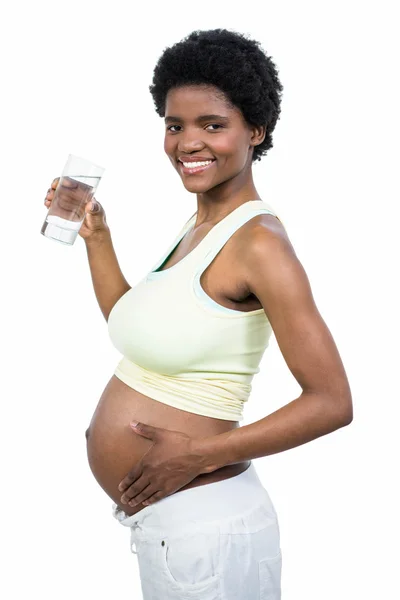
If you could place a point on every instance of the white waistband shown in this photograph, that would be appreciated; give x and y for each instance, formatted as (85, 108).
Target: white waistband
(210, 502)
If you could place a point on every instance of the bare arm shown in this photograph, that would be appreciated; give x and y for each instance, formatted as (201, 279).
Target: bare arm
(276, 276)
(108, 281)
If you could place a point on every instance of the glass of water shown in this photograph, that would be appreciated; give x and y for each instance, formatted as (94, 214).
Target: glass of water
(77, 186)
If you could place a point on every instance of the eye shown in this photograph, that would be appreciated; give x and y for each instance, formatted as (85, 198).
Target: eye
(211, 124)
(215, 125)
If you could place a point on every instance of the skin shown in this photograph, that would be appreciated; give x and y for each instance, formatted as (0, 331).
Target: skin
(266, 267)
(278, 283)
(229, 182)
(235, 186)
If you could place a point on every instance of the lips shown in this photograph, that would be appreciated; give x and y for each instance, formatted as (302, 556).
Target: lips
(195, 170)
(194, 158)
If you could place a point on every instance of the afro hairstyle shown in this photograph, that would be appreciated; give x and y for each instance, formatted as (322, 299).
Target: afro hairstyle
(231, 62)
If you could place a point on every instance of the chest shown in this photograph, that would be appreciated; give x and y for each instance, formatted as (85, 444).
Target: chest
(223, 280)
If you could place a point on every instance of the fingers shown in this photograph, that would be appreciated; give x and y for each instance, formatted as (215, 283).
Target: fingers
(142, 490)
(49, 197)
(97, 208)
(68, 182)
(50, 192)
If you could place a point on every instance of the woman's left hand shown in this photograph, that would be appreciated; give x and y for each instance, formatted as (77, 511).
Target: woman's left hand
(173, 460)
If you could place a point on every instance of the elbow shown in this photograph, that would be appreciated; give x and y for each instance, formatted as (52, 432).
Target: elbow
(339, 407)
(342, 404)
(348, 418)
(346, 411)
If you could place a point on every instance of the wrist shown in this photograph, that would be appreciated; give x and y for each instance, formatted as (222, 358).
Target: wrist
(97, 238)
(207, 453)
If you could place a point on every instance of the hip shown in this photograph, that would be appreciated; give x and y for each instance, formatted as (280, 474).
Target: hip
(220, 540)
(216, 501)
(220, 474)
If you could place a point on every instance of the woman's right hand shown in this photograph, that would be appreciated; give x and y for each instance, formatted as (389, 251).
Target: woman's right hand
(94, 223)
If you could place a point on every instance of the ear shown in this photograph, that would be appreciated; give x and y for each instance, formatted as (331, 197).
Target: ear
(258, 135)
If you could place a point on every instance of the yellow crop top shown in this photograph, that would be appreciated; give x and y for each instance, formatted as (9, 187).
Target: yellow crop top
(181, 347)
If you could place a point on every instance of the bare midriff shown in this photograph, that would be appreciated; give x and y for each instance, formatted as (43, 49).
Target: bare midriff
(113, 448)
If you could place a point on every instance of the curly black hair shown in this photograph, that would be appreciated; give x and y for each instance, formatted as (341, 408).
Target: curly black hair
(231, 62)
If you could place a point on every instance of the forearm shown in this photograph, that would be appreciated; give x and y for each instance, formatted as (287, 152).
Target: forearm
(304, 419)
(108, 281)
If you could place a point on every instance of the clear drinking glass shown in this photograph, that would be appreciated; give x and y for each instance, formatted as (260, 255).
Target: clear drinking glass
(78, 183)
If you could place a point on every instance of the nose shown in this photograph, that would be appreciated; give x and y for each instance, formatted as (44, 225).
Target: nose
(190, 142)
(191, 147)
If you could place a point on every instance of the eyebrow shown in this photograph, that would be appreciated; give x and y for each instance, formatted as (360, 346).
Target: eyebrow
(199, 119)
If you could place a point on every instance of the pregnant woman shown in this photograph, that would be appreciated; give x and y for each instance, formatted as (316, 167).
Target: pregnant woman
(192, 334)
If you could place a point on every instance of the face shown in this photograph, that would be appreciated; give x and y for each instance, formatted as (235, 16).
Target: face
(225, 138)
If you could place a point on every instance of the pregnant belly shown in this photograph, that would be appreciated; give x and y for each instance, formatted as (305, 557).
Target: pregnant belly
(113, 448)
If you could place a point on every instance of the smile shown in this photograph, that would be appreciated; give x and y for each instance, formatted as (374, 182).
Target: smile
(194, 170)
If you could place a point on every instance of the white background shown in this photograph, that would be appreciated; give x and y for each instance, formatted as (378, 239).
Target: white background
(75, 79)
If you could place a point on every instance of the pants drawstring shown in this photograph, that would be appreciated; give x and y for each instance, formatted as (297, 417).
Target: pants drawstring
(133, 543)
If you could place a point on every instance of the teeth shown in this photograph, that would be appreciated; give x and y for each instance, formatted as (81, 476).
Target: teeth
(197, 164)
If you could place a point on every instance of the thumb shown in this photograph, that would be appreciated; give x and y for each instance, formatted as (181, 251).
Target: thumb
(147, 431)
(94, 208)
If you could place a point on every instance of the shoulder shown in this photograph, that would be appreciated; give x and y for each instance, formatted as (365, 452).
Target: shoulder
(261, 237)
(269, 264)
(262, 225)
(274, 274)
(267, 222)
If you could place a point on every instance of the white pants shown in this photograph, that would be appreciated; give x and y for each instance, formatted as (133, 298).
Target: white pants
(218, 541)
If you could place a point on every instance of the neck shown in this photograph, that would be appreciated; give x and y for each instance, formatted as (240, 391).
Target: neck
(214, 205)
